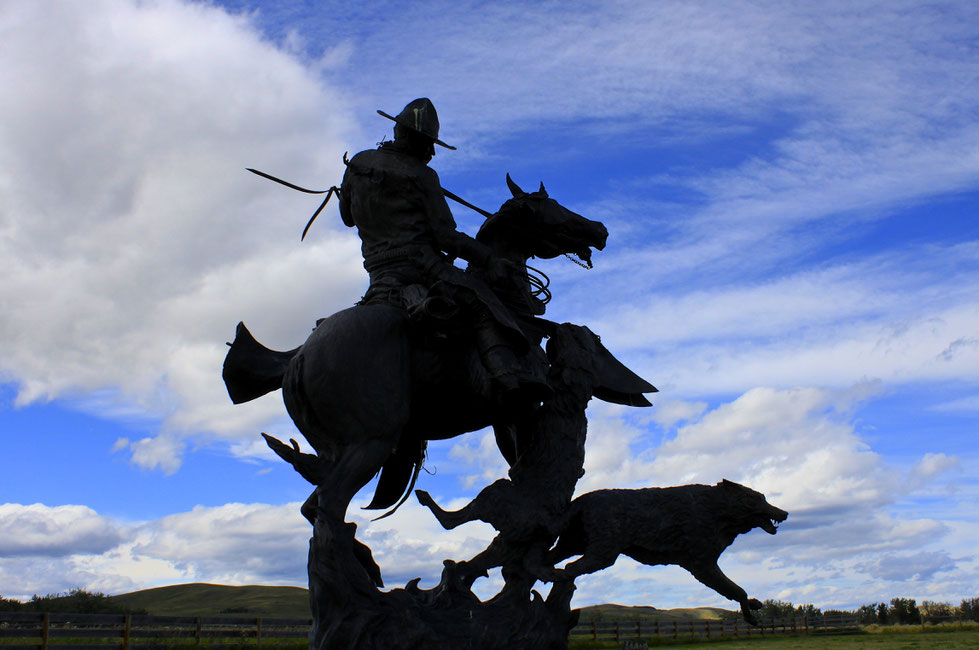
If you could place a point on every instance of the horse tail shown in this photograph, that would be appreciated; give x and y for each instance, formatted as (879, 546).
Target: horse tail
(398, 477)
(251, 369)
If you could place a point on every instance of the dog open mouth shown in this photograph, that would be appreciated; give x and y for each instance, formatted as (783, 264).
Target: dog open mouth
(771, 522)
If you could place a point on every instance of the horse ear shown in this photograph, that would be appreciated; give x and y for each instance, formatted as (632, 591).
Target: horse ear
(542, 190)
(514, 189)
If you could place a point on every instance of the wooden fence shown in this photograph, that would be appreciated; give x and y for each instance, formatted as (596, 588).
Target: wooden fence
(23, 630)
(29, 630)
(619, 631)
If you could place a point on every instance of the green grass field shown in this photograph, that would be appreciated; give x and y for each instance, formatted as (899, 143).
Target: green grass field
(964, 639)
(890, 638)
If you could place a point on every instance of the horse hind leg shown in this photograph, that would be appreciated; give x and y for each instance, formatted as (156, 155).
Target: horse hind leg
(353, 467)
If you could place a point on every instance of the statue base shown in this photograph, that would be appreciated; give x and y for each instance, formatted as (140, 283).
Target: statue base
(349, 611)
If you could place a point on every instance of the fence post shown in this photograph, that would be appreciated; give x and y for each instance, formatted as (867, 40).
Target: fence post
(638, 629)
(708, 628)
(616, 631)
(127, 626)
(676, 628)
(258, 631)
(594, 632)
(656, 628)
(45, 626)
(198, 628)
(693, 633)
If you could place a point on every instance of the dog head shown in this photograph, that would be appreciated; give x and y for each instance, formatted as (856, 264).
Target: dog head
(746, 509)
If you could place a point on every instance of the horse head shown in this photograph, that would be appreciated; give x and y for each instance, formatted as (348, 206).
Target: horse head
(532, 224)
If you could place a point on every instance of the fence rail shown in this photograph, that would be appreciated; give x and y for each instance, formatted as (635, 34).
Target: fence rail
(37, 631)
(42, 631)
(619, 631)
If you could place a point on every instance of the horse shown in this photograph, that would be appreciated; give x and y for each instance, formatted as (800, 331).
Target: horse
(368, 390)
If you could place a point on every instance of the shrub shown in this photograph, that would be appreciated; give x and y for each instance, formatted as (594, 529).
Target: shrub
(76, 601)
(969, 609)
(904, 611)
(867, 614)
(933, 612)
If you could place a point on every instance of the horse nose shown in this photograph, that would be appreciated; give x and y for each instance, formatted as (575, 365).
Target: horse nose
(601, 235)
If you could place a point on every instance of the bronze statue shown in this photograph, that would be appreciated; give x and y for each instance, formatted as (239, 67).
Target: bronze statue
(410, 240)
(433, 351)
(689, 526)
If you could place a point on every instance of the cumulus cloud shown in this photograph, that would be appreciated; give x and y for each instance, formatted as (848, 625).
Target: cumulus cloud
(39, 530)
(133, 239)
(232, 544)
(799, 447)
(49, 550)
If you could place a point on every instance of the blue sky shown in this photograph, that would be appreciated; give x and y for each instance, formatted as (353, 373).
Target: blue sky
(791, 193)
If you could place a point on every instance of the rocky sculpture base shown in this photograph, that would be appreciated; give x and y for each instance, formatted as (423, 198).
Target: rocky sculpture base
(349, 611)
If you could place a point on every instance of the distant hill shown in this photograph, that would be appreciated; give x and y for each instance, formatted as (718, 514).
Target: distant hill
(213, 600)
(293, 602)
(624, 613)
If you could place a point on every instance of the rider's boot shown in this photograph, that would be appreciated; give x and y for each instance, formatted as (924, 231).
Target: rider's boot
(518, 394)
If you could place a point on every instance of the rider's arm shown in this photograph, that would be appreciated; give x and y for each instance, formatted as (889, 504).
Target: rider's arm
(448, 238)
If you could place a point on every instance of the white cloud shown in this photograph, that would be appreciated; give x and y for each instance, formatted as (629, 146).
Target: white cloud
(907, 566)
(484, 454)
(892, 317)
(933, 464)
(969, 403)
(669, 412)
(50, 550)
(39, 530)
(650, 62)
(133, 239)
(231, 544)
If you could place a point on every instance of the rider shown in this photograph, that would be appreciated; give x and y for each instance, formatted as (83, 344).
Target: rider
(409, 241)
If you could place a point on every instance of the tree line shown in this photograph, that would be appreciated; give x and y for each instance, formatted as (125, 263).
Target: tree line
(900, 611)
(74, 601)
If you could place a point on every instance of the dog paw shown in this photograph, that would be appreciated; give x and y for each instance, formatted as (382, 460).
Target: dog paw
(746, 607)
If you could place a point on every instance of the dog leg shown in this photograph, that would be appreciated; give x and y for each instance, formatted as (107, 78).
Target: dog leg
(712, 576)
(588, 563)
(449, 520)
